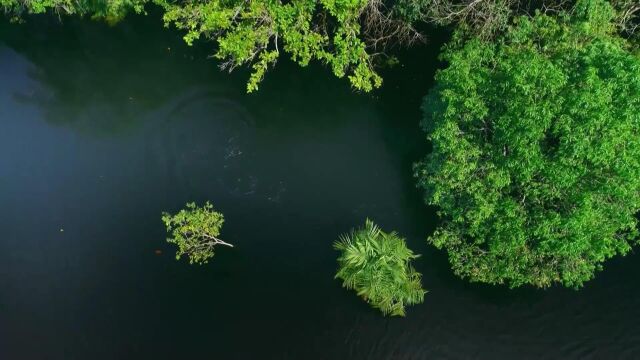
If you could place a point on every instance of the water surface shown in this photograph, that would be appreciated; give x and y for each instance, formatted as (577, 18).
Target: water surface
(103, 128)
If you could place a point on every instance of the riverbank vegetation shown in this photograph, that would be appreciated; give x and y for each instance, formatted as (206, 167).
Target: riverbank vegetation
(377, 265)
(351, 37)
(347, 36)
(536, 157)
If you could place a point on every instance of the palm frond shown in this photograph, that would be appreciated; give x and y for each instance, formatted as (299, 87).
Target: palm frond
(377, 266)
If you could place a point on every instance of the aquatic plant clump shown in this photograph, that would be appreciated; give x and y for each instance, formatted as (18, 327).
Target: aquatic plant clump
(195, 231)
(378, 266)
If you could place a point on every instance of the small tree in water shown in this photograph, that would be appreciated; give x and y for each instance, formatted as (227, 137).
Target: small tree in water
(377, 265)
(195, 231)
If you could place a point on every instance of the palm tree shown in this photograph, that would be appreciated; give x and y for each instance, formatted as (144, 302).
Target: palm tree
(377, 265)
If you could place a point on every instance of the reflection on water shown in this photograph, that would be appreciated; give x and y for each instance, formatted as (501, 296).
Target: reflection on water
(98, 83)
(103, 128)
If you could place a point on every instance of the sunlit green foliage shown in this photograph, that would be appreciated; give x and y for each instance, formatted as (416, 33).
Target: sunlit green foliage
(195, 231)
(255, 32)
(536, 150)
(377, 265)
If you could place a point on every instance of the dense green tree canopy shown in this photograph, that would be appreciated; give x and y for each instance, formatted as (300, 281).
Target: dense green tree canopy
(377, 265)
(195, 231)
(536, 150)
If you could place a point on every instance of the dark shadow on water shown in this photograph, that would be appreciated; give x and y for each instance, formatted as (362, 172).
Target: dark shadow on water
(104, 79)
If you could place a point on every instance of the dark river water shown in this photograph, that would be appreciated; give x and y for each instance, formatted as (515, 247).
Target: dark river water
(103, 128)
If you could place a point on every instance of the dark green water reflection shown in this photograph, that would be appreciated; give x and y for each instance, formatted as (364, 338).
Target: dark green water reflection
(103, 128)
